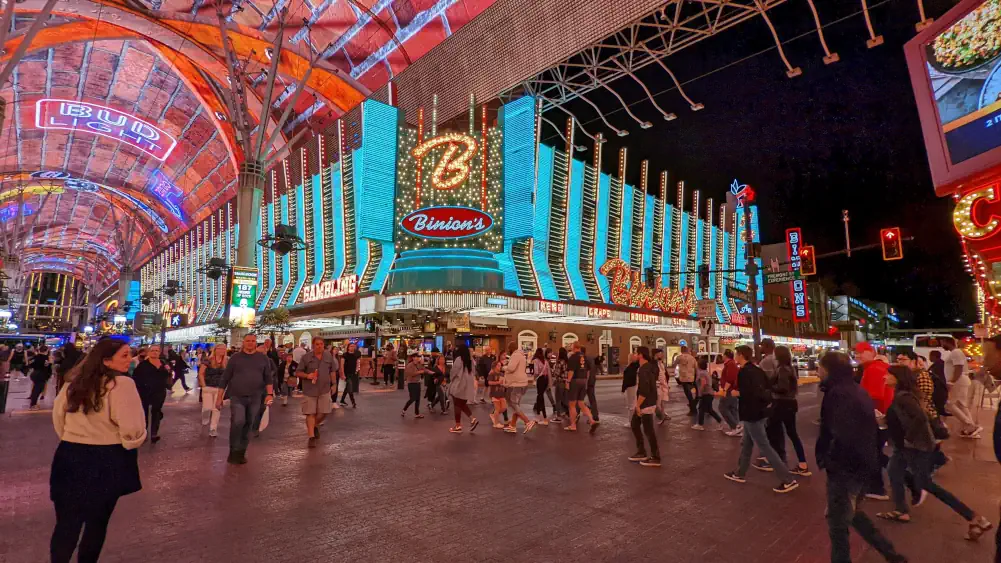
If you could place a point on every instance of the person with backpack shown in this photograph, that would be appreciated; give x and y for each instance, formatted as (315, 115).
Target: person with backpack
(913, 447)
(782, 420)
(940, 391)
(540, 367)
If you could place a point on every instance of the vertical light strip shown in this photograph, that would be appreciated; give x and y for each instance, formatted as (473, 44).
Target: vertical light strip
(693, 239)
(419, 161)
(707, 239)
(657, 250)
(721, 255)
(679, 242)
(615, 209)
(637, 234)
(472, 114)
(434, 116)
(484, 140)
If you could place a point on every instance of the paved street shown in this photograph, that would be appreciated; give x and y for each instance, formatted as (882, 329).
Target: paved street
(382, 488)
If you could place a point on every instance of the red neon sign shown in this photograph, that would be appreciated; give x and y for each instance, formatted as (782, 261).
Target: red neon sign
(794, 247)
(85, 117)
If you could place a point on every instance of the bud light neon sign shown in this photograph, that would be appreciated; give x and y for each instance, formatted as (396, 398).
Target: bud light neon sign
(447, 222)
(107, 122)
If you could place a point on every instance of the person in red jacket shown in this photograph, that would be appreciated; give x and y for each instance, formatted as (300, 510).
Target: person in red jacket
(874, 383)
(874, 376)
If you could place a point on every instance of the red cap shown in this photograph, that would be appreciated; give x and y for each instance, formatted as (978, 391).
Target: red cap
(863, 346)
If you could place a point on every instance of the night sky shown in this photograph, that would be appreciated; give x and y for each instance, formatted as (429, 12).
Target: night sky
(844, 136)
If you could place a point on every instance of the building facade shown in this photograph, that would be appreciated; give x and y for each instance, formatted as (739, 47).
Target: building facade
(415, 230)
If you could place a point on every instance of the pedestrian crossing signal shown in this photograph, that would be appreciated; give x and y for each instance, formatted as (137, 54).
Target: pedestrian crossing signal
(893, 248)
(807, 262)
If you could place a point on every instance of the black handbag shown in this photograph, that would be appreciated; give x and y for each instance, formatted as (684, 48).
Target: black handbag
(939, 429)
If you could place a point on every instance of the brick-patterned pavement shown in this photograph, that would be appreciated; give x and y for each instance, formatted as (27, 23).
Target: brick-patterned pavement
(382, 488)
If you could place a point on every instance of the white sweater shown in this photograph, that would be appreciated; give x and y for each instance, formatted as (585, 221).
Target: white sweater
(119, 421)
(514, 371)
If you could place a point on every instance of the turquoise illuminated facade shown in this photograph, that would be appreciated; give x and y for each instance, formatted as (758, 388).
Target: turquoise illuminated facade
(558, 220)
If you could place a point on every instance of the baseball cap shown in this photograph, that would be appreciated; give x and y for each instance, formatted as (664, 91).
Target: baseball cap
(863, 347)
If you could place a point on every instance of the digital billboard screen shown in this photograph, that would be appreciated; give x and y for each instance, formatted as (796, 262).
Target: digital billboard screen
(956, 71)
(964, 66)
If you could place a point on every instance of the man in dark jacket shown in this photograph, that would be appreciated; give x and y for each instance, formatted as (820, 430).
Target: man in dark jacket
(753, 406)
(846, 449)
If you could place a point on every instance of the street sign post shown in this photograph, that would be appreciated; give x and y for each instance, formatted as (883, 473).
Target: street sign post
(781, 277)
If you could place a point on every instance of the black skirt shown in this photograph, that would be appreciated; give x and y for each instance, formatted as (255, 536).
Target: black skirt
(83, 474)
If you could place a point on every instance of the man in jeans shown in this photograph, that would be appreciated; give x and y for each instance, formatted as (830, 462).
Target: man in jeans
(644, 405)
(686, 377)
(317, 371)
(247, 378)
(728, 402)
(846, 449)
(755, 397)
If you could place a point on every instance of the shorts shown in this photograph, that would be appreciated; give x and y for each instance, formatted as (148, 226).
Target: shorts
(317, 405)
(578, 390)
(514, 395)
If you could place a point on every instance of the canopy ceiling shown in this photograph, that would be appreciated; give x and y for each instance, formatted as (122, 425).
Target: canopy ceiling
(159, 64)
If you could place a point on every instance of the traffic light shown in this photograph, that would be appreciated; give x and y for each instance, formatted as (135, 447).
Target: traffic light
(807, 262)
(704, 276)
(893, 248)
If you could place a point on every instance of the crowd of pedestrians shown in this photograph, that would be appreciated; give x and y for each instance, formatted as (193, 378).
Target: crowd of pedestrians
(876, 420)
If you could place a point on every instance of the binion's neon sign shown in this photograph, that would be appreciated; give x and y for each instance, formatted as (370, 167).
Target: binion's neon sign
(71, 115)
(628, 289)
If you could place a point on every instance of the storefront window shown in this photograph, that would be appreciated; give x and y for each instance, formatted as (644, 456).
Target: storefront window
(661, 343)
(634, 343)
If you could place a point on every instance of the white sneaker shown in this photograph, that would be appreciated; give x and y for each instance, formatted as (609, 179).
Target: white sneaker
(335, 406)
(698, 427)
(213, 433)
(544, 422)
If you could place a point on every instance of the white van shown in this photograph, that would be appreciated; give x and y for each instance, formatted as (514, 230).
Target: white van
(925, 343)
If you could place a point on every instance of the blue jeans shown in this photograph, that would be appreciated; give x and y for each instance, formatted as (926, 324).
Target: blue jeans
(919, 463)
(243, 411)
(843, 497)
(755, 435)
(728, 409)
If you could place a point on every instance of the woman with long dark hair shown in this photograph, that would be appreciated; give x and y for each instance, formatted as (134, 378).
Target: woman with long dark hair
(540, 368)
(782, 421)
(153, 377)
(99, 420)
(462, 387)
(71, 357)
(913, 447)
(41, 371)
